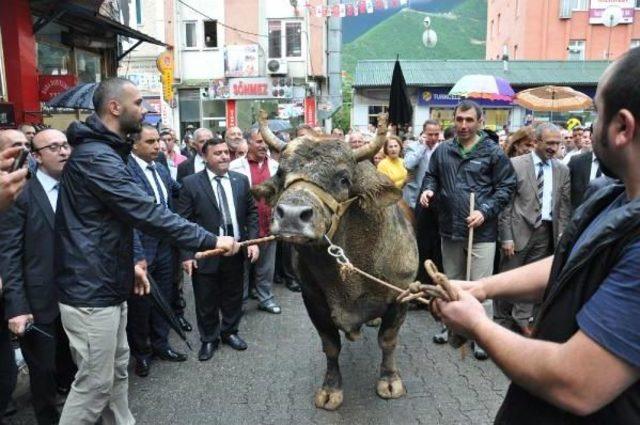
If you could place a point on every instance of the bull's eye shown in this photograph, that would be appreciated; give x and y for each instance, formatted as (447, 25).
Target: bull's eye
(344, 182)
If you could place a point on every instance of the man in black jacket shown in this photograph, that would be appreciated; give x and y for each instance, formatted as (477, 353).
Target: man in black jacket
(26, 266)
(469, 163)
(98, 207)
(582, 365)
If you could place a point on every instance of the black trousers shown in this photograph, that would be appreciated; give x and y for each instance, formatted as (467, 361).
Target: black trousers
(428, 236)
(146, 329)
(285, 271)
(8, 369)
(177, 297)
(50, 365)
(219, 294)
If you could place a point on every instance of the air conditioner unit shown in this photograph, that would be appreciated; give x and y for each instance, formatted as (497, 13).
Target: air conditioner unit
(277, 67)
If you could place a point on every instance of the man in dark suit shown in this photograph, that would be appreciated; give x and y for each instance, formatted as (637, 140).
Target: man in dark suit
(584, 168)
(220, 201)
(148, 331)
(26, 265)
(197, 162)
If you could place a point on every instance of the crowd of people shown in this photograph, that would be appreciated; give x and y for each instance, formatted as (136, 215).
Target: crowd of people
(113, 204)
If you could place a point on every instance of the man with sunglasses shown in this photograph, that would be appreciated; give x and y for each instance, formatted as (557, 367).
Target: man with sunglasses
(26, 266)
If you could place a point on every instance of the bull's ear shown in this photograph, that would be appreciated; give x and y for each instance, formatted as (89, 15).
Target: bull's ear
(374, 189)
(268, 190)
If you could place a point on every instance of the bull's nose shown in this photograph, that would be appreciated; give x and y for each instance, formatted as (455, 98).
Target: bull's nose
(294, 213)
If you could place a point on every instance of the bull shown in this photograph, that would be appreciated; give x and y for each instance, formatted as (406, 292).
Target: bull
(323, 187)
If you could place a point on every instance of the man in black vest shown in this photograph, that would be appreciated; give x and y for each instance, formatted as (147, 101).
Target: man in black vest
(582, 365)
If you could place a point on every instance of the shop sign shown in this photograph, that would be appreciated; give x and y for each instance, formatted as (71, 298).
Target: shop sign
(231, 114)
(252, 88)
(310, 111)
(439, 96)
(241, 61)
(53, 85)
(598, 7)
(164, 62)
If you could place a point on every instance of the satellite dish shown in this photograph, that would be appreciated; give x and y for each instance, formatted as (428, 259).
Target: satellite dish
(612, 16)
(429, 38)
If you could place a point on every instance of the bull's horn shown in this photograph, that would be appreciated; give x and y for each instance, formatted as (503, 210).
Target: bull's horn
(370, 149)
(268, 136)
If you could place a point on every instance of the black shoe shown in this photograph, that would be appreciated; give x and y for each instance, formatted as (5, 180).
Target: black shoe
(184, 324)
(206, 351)
(441, 337)
(171, 356)
(142, 368)
(270, 307)
(478, 352)
(235, 342)
(294, 287)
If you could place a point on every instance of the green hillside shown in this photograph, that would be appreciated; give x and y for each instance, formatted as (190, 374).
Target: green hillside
(461, 35)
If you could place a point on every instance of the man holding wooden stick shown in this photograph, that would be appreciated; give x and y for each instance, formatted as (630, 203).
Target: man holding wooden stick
(470, 163)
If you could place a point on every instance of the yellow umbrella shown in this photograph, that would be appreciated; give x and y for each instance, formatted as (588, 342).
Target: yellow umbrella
(553, 99)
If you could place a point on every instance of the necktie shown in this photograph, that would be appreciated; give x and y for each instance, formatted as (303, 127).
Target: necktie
(224, 207)
(540, 179)
(152, 167)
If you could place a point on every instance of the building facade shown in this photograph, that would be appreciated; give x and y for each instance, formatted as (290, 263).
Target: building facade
(562, 29)
(233, 57)
(49, 46)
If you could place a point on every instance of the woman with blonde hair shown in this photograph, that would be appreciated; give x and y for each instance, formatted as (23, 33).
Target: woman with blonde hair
(521, 142)
(393, 165)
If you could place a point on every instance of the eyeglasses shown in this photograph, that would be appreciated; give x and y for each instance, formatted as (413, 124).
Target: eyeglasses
(54, 147)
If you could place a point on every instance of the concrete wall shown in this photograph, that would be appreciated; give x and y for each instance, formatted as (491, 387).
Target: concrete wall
(534, 26)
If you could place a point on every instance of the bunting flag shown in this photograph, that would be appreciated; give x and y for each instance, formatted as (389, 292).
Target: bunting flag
(354, 8)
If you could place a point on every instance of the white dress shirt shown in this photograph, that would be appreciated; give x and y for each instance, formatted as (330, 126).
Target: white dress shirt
(595, 165)
(50, 186)
(228, 191)
(199, 164)
(149, 175)
(547, 190)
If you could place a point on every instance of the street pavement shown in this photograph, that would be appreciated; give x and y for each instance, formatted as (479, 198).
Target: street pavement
(274, 381)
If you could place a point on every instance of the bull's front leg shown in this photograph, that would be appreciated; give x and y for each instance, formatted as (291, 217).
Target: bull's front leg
(330, 396)
(390, 384)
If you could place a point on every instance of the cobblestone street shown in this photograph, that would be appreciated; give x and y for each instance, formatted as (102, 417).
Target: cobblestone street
(273, 382)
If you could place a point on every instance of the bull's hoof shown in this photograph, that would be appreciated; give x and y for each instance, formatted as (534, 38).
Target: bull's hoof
(390, 387)
(328, 398)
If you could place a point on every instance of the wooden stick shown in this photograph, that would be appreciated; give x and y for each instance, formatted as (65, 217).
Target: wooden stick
(472, 203)
(220, 251)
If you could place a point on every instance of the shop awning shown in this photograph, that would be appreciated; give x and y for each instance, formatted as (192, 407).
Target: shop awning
(84, 16)
(444, 73)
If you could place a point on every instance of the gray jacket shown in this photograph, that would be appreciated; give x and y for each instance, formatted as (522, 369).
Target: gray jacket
(416, 161)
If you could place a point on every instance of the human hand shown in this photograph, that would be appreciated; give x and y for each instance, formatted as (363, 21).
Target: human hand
(253, 252)
(189, 266)
(508, 249)
(475, 219)
(462, 317)
(18, 324)
(141, 285)
(229, 244)
(425, 198)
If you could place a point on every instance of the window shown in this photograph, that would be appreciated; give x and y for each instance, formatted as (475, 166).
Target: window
(498, 24)
(635, 42)
(491, 30)
(139, 12)
(374, 111)
(87, 66)
(515, 52)
(190, 34)
(210, 34)
(567, 6)
(576, 50)
(285, 39)
(637, 4)
(54, 59)
(293, 33)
